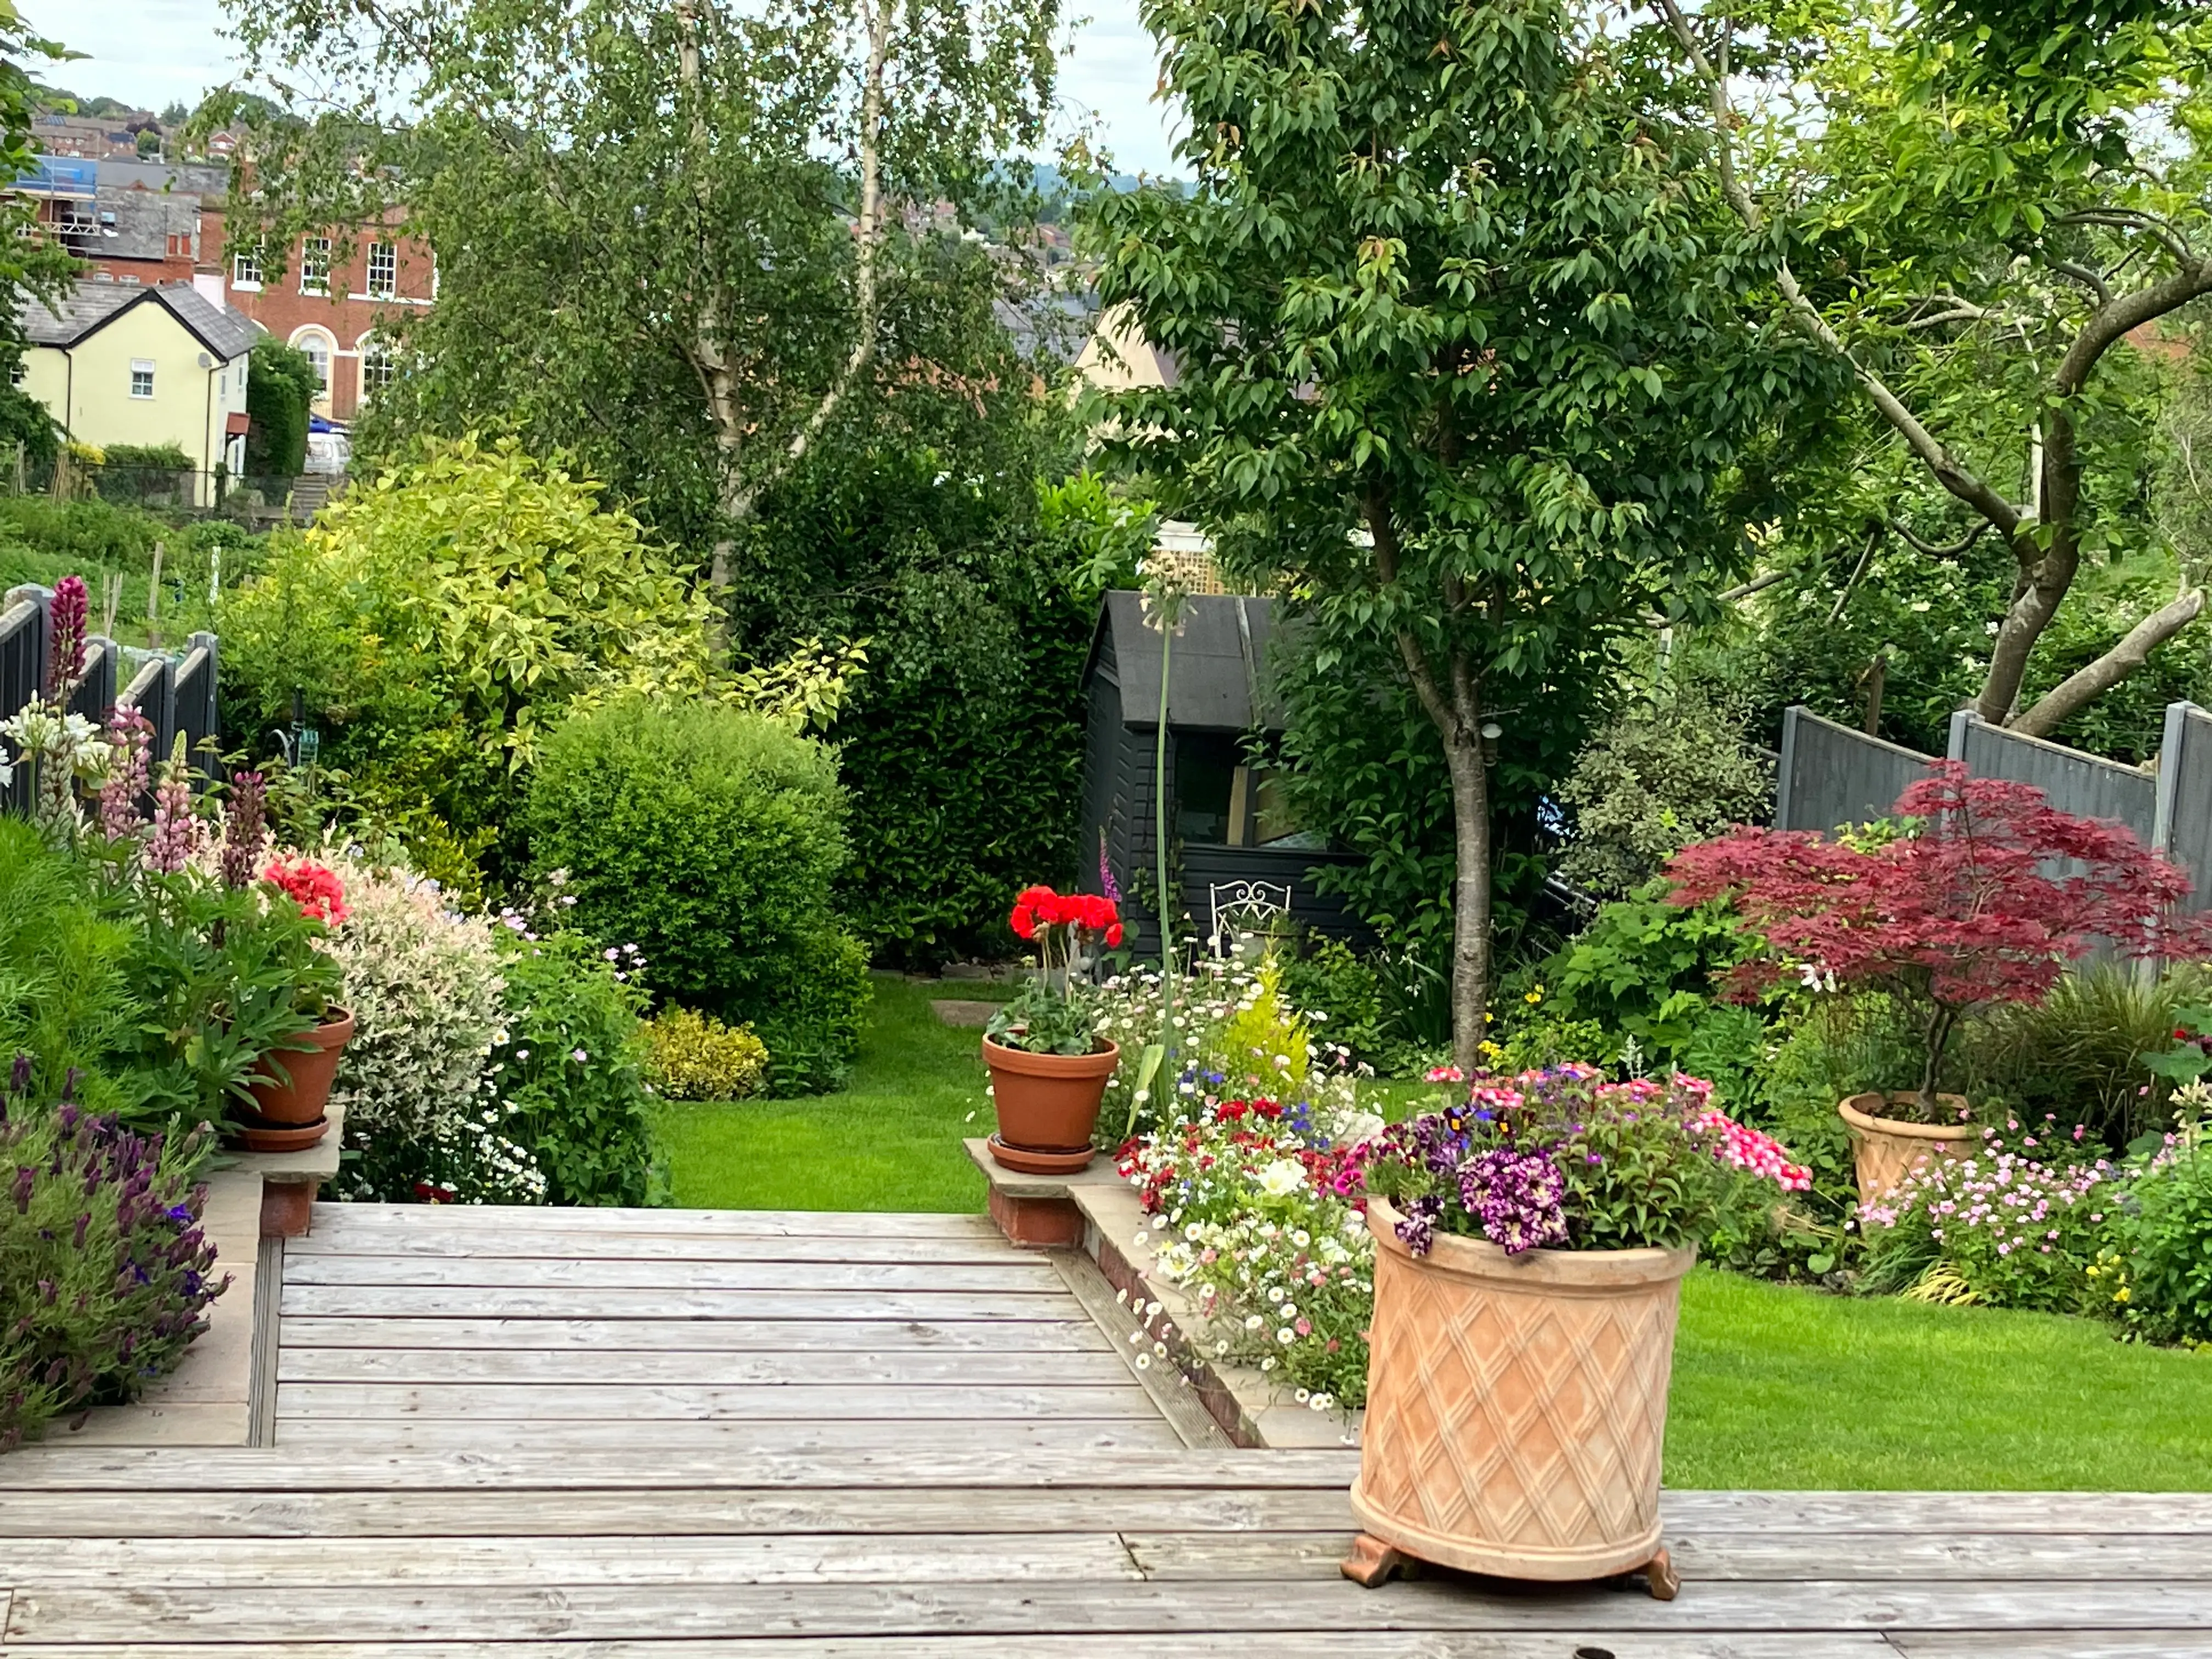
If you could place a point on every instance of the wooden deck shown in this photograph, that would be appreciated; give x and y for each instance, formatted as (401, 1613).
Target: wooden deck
(610, 1434)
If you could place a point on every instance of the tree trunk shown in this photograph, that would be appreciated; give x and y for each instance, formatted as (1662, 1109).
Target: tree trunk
(1471, 905)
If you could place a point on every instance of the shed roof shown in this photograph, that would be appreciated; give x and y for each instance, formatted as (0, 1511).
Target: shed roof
(1215, 669)
(89, 306)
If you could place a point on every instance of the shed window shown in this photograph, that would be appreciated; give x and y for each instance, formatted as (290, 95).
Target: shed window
(142, 378)
(1206, 768)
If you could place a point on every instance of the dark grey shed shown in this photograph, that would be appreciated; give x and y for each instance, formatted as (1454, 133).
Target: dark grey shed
(1227, 821)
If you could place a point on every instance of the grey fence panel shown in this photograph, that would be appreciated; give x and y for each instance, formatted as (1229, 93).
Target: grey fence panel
(192, 696)
(151, 693)
(1830, 775)
(22, 667)
(93, 695)
(2087, 785)
(2183, 827)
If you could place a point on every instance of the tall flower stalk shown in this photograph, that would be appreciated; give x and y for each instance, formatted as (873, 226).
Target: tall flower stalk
(67, 619)
(1163, 605)
(176, 831)
(130, 773)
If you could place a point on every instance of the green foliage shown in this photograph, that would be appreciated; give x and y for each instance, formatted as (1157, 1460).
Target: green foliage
(962, 748)
(1661, 774)
(694, 1056)
(1646, 968)
(567, 1084)
(224, 981)
(29, 264)
(2079, 1055)
(280, 386)
(104, 1270)
(425, 989)
(437, 619)
(2160, 1277)
(708, 837)
(63, 992)
(166, 457)
(1449, 360)
(24, 420)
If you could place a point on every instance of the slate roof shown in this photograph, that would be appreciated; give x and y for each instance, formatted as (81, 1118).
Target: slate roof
(90, 306)
(1214, 681)
(137, 224)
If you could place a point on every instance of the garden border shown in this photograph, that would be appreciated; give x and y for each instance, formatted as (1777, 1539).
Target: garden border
(1096, 1211)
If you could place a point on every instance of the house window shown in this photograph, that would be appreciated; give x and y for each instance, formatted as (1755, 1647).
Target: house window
(378, 369)
(15, 372)
(383, 270)
(314, 264)
(319, 352)
(142, 378)
(245, 271)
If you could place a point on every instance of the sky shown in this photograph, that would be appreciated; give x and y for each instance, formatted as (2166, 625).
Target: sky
(153, 52)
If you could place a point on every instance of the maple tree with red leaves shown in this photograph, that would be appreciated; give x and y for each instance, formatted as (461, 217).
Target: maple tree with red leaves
(1984, 899)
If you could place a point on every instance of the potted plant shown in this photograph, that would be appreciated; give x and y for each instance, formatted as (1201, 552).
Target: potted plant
(1978, 894)
(241, 1026)
(1530, 1241)
(1048, 1065)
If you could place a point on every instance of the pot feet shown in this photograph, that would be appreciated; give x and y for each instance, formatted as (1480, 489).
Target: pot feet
(1660, 1575)
(1373, 1562)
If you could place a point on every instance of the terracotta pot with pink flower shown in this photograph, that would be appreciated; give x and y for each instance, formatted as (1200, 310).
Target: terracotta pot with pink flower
(1048, 1065)
(291, 1088)
(1531, 1239)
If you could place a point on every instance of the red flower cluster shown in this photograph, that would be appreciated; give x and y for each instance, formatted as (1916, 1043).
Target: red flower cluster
(313, 887)
(1039, 907)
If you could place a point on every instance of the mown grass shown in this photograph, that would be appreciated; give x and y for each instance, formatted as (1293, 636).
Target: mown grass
(1775, 1386)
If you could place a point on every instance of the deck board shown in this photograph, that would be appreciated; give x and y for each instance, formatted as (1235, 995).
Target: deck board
(671, 1435)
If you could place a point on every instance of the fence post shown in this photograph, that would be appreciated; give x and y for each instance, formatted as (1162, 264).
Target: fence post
(1960, 720)
(1787, 764)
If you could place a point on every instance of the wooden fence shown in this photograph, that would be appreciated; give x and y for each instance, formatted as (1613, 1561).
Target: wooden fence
(1831, 775)
(176, 692)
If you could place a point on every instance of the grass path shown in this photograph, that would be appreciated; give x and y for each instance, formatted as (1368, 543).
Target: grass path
(1775, 1386)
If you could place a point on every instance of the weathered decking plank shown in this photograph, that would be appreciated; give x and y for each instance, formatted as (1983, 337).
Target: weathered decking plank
(600, 1611)
(674, 1440)
(800, 1402)
(1041, 1334)
(341, 1220)
(1196, 1644)
(694, 1367)
(825, 1279)
(434, 1301)
(624, 1244)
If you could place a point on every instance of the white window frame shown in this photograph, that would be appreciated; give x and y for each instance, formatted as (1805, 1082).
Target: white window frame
(376, 359)
(314, 264)
(383, 270)
(142, 368)
(302, 338)
(246, 273)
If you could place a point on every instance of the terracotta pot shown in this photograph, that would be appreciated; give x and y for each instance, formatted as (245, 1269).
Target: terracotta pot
(1048, 1105)
(288, 1116)
(1884, 1151)
(1517, 1406)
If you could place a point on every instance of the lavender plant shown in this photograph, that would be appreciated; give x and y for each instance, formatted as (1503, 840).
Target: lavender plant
(105, 1271)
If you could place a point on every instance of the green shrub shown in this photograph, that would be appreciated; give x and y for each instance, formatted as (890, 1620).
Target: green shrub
(104, 1270)
(694, 1056)
(64, 999)
(428, 1001)
(438, 619)
(1643, 967)
(709, 838)
(281, 385)
(1660, 776)
(566, 1080)
(163, 458)
(2163, 1234)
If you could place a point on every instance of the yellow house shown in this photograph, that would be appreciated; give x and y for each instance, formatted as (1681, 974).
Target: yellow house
(123, 364)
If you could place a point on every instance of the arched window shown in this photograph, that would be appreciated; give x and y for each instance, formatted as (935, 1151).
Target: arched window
(320, 349)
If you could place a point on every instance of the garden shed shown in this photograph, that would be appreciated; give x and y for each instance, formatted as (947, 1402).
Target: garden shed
(1228, 820)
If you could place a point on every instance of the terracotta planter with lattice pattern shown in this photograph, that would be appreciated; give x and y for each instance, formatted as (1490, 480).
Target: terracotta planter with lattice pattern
(1517, 1406)
(1886, 1150)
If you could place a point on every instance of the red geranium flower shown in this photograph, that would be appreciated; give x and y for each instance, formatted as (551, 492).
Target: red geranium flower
(315, 887)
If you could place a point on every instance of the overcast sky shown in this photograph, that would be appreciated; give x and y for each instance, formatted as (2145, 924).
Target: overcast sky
(151, 52)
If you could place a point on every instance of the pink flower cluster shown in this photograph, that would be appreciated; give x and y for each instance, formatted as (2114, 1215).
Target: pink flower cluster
(1748, 1148)
(2000, 1196)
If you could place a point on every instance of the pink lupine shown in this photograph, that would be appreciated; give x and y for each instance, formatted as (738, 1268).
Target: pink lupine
(130, 771)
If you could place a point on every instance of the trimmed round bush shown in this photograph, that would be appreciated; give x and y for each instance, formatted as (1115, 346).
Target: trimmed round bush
(690, 1055)
(709, 836)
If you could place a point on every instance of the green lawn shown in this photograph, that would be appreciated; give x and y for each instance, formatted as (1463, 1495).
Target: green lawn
(890, 1142)
(1778, 1386)
(1774, 1386)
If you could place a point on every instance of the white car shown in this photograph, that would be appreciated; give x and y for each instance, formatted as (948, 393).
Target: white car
(329, 452)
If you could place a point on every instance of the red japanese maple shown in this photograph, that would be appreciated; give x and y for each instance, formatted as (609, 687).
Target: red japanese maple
(1983, 900)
